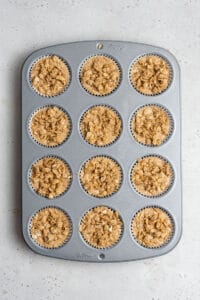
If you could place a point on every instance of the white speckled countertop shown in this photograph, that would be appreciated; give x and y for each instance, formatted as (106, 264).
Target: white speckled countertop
(27, 25)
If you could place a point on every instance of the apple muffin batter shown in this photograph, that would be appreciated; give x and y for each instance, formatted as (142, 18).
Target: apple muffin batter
(49, 76)
(150, 75)
(50, 177)
(101, 125)
(50, 227)
(152, 227)
(101, 227)
(151, 176)
(100, 75)
(50, 126)
(101, 176)
(151, 125)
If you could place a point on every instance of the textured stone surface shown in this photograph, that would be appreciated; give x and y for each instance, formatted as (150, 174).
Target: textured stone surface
(28, 25)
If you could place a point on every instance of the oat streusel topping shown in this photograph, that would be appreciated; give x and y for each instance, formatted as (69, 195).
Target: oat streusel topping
(100, 126)
(50, 76)
(151, 125)
(50, 177)
(101, 227)
(151, 176)
(101, 176)
(100, 75)
(50, 126)
(50, 227)
(150, 75)
(152, 227)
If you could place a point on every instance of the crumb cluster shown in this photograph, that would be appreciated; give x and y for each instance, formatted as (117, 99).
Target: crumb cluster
(101, 227)
(50, 227)
(100, 125)
(101, 176)
(151, 125)
(152, 227)
(50, 177)
(50, 126)
(150, 75)
(151, 176)
(100, 75)
(49, 76)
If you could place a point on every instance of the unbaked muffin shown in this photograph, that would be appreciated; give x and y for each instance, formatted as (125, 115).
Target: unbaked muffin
(50, 126)
(151, 125)
(100, 125)
(101, 227)
(150, 74)
(50, 227)
(152, 227)
(100, 75)
(101, 176)
(152, 176)
(49, 76)
(50, 177)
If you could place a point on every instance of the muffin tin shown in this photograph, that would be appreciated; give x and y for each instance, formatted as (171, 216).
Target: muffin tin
(125, 150)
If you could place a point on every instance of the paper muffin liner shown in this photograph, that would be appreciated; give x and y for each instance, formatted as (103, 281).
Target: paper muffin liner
(120, 170)
(171, 75)
(114, 61)
(171, 181)
(67, 187)
(43, 107)
(120, 235)
(70, 229)
(171, 220)
(171, 130)
(36, 61)
(109, 107)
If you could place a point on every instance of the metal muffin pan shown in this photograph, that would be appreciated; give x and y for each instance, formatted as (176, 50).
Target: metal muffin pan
(125, 150)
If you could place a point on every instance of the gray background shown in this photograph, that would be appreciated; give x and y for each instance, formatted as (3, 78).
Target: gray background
(28, 25)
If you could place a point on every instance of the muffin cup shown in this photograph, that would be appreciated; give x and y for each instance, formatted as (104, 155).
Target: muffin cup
(114, 61)
(70, 230)
(35, 112)
(171, 235)
(170, 75)
(171, 181)
(96, 247)
(121, 176)
(36, 61)
(171, 124)
(67, 187)
(109, 107)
